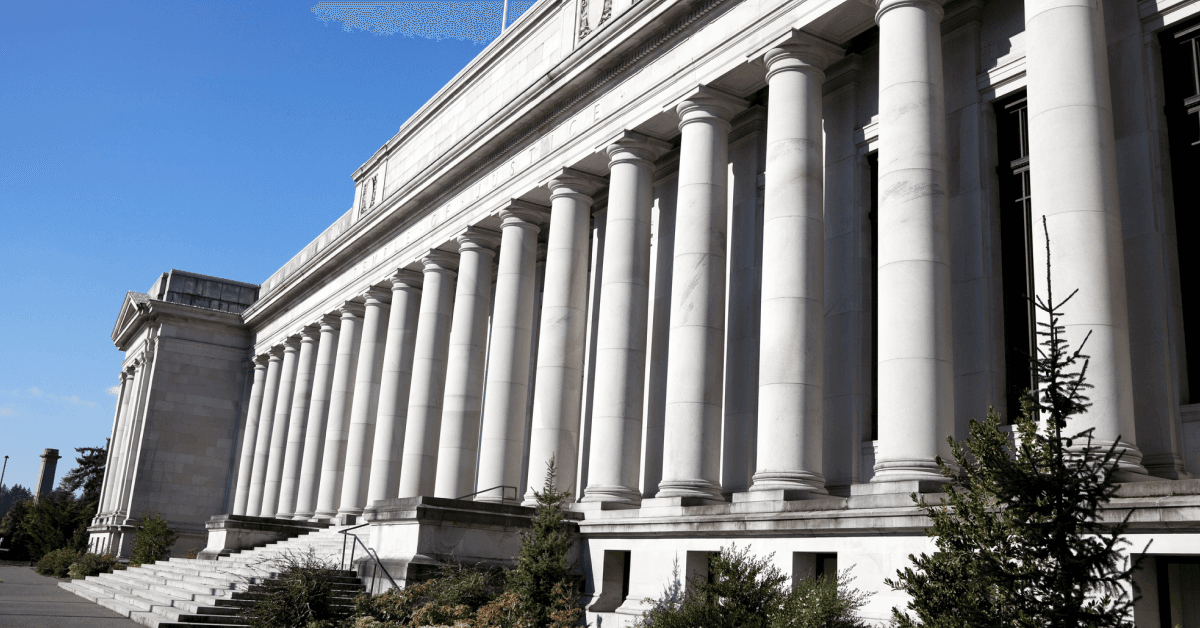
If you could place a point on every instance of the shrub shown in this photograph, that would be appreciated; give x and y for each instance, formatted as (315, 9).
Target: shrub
(92, 565)
(453, 596)
(153, 540)
(57, 563)
(824, 602)
(303, 594)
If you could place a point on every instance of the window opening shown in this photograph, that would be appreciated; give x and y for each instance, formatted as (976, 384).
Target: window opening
(1016, 250)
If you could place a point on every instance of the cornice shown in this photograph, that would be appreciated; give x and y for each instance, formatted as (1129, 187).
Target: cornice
(603, 57)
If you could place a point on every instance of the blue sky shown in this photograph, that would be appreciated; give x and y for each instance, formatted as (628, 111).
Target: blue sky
(136, 137)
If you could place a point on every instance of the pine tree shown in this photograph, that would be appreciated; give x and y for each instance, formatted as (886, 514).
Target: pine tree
(542, 581)
(88, 475)
(1020, 537)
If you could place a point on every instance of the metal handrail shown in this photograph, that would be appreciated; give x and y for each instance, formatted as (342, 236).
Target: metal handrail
(370, 552)
(492, 489)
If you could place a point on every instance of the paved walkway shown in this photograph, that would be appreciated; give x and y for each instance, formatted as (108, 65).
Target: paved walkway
(29, 599)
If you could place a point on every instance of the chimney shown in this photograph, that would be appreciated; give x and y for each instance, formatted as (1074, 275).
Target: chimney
(45, 483)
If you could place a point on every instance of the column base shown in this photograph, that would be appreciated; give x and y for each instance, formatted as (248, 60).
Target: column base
(700, 489)
(803, 481)
(896, 494)
(611, 494)
(776, 495)
(908, 470)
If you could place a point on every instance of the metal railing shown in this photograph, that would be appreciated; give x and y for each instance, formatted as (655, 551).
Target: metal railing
(375, 569)
(502, 486)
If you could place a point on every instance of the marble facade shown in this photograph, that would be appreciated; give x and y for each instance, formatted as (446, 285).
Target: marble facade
(735, 266)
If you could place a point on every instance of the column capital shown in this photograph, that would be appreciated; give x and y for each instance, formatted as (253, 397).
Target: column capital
(310, 333)
(631, 146)
(292, 343)
(122, 376)
(883, 6)
(260, 360)
(275, 353)
(800, 51)
(352, 309)
(329, 322)
(376, 295)
(569, 182)
(521, 213)
(404, 279)
(478, 238)
(708, 103)
(437, 260)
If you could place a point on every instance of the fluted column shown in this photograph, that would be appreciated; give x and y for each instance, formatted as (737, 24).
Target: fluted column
(297, 422)
(318, 415)
(554, 430)
(337, 429)
(361, 438)
(620, 379)
(266, 420)
(279, 427)
(105, 486)
(114, 474)
(695, 367)
(1073, 179)
(792, 352)
(394, 386)
(250, 436)
(503, 430)
(459, 440)
(423, 427)
(916, 357)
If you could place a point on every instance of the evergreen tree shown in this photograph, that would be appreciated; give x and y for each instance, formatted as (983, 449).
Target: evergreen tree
(88, 475)
(1020, 538)
(10, 496)
(542, 581)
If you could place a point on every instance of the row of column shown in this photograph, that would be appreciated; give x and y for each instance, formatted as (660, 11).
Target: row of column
(124, 441)
(388, 400)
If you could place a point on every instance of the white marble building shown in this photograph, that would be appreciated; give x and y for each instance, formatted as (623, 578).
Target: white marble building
(739, 266)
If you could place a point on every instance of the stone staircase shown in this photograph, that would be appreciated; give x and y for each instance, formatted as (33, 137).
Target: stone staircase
(191, 592)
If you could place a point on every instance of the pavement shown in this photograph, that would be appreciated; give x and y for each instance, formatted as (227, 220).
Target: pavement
(30, 599)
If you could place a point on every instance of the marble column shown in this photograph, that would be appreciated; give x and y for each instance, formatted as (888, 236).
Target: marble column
(695, 368)
(279, 427)
(423, 426)
(114, 473)
(507, 389)
(318, 414)
(465, 362)
(554, 430)
(298, 421)
(361, 438)
(1073, 180)
(621, 332)
(792, 352)
(266, 420)
(394, 386)
(250, 435)
(916, 358)
(136, 421)
(105, 485)
(341, 395)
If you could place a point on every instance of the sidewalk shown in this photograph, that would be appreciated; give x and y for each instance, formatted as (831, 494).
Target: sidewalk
(28, 599)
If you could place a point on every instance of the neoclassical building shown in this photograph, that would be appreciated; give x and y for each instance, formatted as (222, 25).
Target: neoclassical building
(739, 267)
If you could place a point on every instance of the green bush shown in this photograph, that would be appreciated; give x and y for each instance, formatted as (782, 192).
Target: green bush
(92, 565)
(824, 602)
(302, 594)
(745, 591)
(57, 563)
(454, 595)
(153, 540)
(57, 520)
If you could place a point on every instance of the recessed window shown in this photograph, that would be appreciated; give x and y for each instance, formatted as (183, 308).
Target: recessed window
(1016, 250)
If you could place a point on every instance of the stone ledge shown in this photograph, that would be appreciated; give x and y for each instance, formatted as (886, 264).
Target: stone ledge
(452, 511)
(1161, 488)
(231, 533)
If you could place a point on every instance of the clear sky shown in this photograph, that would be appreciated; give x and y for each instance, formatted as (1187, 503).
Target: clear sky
(136, 137)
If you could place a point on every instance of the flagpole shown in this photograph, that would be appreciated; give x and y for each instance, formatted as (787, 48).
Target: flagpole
(504, 17)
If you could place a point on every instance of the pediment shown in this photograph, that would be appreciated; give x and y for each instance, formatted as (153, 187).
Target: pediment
(134, 303)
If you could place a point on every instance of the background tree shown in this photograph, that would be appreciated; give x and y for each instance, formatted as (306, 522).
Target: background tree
(1020, 536)
(88, 474)
(10, 496)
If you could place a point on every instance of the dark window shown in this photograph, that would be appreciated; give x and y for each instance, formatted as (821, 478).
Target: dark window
(1016, 232)
(625, 575)
(1181, 82)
